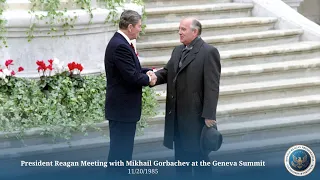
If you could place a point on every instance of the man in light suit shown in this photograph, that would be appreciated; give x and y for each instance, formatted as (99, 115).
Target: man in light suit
(125, 79)
(193, 76)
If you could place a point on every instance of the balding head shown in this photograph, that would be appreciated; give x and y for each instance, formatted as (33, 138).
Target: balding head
(189, 29)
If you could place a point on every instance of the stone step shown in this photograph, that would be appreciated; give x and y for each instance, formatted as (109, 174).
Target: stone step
(169, 31)
(201, 12)
(237, 136)
(251, 131)
(276, 53)
(258, 55)
(270, 71)
(233, 132)
(266, 72)
(225, 42)
(167, 3)
(270, 128)
(264, 129)
(269, 90)
(271, 149)
(259, 91)
(230, 125)
(263, 110)
(266, 109)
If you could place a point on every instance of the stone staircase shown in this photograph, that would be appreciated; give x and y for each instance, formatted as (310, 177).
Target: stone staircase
(270, 83)
(269, 94)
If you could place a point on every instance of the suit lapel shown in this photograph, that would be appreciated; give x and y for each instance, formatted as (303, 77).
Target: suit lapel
(192, 55)
(177, 58)
(136, 59)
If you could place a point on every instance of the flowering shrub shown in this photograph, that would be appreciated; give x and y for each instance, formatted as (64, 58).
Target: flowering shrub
(72, 103)
(74, 68)
(53, 71)
(7, 71)
(58, 67)
(7, 74)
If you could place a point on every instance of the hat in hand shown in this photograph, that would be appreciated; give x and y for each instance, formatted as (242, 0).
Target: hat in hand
(210, 140)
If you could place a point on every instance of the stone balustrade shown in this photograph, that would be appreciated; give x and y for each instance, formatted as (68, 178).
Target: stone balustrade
(84, 43)
(293, 3)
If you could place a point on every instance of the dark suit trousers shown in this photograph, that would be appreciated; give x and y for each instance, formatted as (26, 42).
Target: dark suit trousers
(121, 145)
(189, 172)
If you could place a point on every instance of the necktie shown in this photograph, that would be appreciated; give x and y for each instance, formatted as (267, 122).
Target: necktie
(134, 49)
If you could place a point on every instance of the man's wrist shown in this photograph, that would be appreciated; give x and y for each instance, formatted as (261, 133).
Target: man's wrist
(149, 78)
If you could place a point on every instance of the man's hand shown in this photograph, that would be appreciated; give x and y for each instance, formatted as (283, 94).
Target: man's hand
(210, 122)
(153, 78)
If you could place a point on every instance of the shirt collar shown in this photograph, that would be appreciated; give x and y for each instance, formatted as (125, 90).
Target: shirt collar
(193, 42)
(125, 36)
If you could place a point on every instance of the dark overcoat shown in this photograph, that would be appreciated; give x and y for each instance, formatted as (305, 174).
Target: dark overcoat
(192, 93)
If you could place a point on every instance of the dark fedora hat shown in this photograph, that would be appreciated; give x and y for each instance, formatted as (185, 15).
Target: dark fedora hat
(210, 140)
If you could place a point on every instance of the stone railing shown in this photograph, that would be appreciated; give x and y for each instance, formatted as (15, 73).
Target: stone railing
(311, 10)
(287, 17)
(293, 3)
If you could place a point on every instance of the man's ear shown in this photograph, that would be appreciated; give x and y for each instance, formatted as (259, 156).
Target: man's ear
(130, 26)
(196, 31)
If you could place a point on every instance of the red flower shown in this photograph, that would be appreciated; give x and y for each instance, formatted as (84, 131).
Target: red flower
(50, 61)
(41, 65)
(79, 67)
(50, 67)
(73, 65)
(20, 69)
(9, 62)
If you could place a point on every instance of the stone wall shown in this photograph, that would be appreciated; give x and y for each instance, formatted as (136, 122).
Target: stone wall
(85, 43)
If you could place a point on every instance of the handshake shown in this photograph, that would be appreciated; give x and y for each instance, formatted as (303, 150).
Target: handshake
(153, 78)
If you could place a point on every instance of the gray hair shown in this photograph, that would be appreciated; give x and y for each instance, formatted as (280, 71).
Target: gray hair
(196, 25)
(129, 17)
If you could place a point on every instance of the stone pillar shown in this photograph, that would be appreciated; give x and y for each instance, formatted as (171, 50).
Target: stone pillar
(311, 10)
(293, 3)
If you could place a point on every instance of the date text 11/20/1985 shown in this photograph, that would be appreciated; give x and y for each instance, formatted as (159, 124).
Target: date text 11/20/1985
(137, 171)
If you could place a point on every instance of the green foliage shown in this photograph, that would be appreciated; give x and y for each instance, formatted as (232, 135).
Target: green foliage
(85, 4)
(3, 22)
(149, 104)
(112, 5)
(54, 12)
(71, 104)
(53, 15)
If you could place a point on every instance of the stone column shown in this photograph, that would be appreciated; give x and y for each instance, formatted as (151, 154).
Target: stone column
(311, 10)
(293, 3)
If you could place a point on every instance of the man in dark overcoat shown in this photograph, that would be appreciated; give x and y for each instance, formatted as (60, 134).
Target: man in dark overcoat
(193, 76)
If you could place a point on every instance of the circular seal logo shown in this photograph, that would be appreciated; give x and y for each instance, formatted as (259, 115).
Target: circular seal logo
(299, 160)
